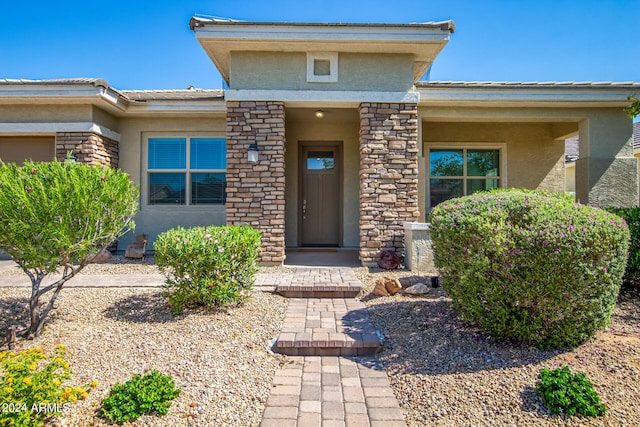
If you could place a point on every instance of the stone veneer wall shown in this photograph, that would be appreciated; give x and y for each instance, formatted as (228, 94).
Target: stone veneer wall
(88, 147)
(255, 192)
(388, 176)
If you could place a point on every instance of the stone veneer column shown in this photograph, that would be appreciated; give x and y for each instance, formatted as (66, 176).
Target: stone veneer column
(255, 192)
(388, 176)
(88, 147)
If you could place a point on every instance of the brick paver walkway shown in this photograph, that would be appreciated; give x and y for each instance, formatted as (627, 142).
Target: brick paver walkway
(328, 381)
(312, 283)
(327, 327)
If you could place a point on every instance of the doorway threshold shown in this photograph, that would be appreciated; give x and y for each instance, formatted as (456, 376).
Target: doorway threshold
(322, 257)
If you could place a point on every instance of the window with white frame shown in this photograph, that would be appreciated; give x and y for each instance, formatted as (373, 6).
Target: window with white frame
(187, 171)
(457, 172)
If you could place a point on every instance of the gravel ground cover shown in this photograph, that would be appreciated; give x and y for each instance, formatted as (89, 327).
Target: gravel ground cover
(447, 373)
(444, 372)
(219, 359)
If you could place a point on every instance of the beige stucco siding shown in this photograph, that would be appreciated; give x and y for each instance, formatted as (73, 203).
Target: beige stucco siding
(153, 220)
(287, 71)
(102, 118)
(45, 113)
(337, 125)
(17, 149)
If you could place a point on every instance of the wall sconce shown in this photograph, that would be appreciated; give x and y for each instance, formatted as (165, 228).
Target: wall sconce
(252, 154)
(319, 114)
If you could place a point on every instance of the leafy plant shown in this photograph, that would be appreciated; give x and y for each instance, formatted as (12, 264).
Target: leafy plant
(632, 217)
(633, 109)
(31, 387)
(565, 392)
(530, 266)
(56, 217)
(149, 394)
(210, 266)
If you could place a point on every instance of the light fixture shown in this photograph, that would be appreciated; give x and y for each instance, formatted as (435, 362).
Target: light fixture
(252, 154)
(319, 114)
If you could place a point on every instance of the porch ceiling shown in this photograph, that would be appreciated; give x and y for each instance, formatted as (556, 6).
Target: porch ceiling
(220, 37)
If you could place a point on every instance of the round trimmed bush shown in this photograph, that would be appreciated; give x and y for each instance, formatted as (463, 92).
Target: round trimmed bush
(530, 266)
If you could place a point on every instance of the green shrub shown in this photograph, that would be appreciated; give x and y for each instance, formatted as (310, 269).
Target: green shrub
(210, 266)
(151, 394)
(56, 217)
(565, 392)
(632, 216)
(31, 387)
(530, 266)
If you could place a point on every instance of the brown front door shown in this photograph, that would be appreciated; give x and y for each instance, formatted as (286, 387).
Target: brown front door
(320, 208)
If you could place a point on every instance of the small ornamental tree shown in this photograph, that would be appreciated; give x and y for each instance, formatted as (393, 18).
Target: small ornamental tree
(56, 217)
(633, 109)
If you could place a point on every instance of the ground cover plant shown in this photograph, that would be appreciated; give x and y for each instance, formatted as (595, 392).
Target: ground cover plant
(140, 395)
(530, 266)
(32, 387)
(207, 266)
(565, 392)
(56, 217)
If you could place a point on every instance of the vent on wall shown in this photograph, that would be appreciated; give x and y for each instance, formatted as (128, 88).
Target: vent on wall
(322, 67)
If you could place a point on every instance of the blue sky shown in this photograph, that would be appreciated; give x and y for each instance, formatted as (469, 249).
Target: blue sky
(147, 44)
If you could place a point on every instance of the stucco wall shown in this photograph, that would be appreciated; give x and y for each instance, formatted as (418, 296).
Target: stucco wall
(153, 220)
(18, 148)
(105, 119)
(287, 70)
(45, 113)
(337, 125)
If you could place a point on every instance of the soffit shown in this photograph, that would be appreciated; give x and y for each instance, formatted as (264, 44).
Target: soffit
(523, 94)
(220, 38)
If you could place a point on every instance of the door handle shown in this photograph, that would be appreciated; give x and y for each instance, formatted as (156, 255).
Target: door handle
(304, 209)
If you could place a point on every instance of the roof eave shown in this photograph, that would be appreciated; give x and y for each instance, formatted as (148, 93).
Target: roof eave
(505, 94)
(220, 37)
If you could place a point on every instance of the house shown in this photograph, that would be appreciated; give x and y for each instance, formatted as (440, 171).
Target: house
(325, 136)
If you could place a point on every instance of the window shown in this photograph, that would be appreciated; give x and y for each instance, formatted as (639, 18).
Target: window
(187, 171)
(320, 160)
(322, 67)
(462, 171)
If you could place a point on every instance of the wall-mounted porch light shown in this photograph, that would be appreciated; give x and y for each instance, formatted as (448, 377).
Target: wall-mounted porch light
(319, 114)
(252, 154)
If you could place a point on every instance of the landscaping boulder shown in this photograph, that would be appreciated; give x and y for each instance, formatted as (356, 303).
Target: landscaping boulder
(103, 255)
(417, 289)
(388, 260)
(138, 248)
(386, 286)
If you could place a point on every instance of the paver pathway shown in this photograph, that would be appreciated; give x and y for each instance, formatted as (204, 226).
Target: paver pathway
(332, 378)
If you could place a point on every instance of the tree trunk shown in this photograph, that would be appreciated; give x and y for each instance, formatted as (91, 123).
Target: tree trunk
(34, 314)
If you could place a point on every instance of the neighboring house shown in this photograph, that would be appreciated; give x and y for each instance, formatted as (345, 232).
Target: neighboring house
(572, 154)
(350, 144)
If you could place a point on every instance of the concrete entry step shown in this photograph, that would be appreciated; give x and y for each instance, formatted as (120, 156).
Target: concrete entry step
(327, 327)
(319, 283)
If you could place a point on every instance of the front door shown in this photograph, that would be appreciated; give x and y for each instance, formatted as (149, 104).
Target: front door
(320, 207)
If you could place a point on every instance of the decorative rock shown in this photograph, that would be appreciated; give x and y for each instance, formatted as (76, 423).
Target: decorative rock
(388, 260)
(386, 286)
(417, 289)
(393, 286)
(138, 248)
(380, 289)
(103, 255)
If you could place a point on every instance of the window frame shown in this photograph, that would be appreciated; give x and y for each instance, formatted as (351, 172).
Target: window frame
(499, 146)
(187, 171)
